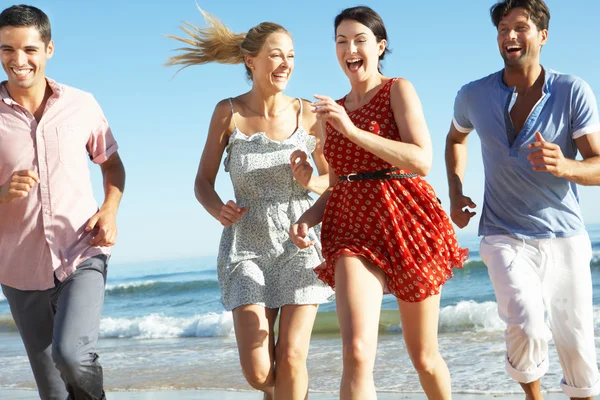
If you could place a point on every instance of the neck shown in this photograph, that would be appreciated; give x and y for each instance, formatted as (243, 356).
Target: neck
(362, 89)
(31, 98)
(522, 78)
(265, 102)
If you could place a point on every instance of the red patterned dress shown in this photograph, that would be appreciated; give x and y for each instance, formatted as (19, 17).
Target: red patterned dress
(397, 224)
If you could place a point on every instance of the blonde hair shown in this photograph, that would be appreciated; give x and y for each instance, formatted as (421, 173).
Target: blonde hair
(217, 43)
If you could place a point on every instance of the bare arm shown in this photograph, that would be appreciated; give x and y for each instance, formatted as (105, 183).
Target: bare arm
(456, 164)
(413, 153)
(221, 126)
(105, 220)
(548, 157)
(313, 216)
(301, 168)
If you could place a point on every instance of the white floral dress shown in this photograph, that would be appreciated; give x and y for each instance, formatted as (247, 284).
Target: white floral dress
(258, 263)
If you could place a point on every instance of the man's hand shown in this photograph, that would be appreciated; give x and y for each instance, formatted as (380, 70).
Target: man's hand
(18, 186)
(105, 223)
(548, 157)
(459, 210)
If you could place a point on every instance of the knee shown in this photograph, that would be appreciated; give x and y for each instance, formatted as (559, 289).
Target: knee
(66, 358)
(425, 362)
(527, 336)
(259, 378)
(290, 357)
(359, 354)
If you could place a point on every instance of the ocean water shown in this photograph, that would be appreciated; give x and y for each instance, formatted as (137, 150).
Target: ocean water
(163, 327)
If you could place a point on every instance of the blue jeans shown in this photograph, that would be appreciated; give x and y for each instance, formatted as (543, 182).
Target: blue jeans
(59, 328)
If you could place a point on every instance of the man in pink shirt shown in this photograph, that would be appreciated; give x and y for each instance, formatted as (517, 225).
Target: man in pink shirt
(54, 240)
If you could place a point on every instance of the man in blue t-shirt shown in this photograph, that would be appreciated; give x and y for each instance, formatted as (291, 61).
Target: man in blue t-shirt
(532, 121)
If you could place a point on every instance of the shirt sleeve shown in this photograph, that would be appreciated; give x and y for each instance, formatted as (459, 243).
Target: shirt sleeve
(461, 120)
(101, 144)
(584, 110)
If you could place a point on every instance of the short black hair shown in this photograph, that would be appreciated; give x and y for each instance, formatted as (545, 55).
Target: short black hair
(537, 9)
(24, 16)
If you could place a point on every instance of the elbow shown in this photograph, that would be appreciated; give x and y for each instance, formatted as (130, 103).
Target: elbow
(423, 165)
(200, 188)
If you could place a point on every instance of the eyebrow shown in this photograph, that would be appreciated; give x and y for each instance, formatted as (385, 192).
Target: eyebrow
(31, 47)
(278, 49)
(358, 34)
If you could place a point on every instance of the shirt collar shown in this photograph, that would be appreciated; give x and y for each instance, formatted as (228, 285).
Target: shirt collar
(548, 73)
(57, 90)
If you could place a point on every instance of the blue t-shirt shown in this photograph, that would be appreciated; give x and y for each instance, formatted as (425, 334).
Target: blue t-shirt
(519, 201)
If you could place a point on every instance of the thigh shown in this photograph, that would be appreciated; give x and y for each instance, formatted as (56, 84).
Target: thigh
(513, 266)
(359, 291)
(33, 314)
(254, 333)
(295, 327)
(79, 300)
(420, 325)
(568, 293)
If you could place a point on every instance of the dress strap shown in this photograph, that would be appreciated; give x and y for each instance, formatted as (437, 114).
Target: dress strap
(300, 116)
(233, 113)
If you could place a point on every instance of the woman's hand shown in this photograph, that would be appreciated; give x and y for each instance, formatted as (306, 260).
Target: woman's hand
(231, 213)
(301, 168)
(333, 113)
(299, 235)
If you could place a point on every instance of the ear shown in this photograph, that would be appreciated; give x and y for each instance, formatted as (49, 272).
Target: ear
(544, 34)
(50, 49)
(381, 47)
(249, 62)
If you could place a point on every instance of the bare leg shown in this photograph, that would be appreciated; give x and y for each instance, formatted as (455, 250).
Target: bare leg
(532, 390)
(359, 291)
(420, 328)
(295, 327)
(256, 345)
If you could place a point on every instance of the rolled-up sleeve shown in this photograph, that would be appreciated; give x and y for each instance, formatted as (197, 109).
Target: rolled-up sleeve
(461, 120)
(101, 144)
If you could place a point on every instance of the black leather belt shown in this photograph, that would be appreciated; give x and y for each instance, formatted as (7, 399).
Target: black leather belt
(383, 174)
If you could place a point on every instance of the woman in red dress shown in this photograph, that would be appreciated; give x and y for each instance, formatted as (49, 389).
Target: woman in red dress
(383, 227)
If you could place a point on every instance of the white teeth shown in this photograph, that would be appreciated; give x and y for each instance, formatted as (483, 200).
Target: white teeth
(21, 72)
(353, 61)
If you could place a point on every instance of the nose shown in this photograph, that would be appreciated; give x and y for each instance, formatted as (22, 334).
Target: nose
(512, 34)
(352, 47)
(20, 58)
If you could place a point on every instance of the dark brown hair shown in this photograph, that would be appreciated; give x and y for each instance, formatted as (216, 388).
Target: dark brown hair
(538, 11)
(369, 18)
(26, 16)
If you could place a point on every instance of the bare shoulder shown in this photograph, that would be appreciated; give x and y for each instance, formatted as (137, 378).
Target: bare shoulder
(222, 115)
(401, 88)
(309, 119)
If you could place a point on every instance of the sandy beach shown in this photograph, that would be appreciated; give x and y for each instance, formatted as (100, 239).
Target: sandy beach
(246, 395)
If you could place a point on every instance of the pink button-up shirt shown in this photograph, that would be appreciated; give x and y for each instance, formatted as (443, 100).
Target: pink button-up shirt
(43, 235)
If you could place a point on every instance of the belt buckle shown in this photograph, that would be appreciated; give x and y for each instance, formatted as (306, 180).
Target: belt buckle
(350, 175)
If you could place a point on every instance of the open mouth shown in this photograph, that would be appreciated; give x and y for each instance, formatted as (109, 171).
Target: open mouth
(22, 72)
(513, 49)
(281, 77)
(354, 64)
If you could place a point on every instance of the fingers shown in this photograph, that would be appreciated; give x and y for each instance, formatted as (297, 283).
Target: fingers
(539, 137)
(104, 237)
(298, 156)
(91, 223)
(231, 213)
(26, 173)
(299, 236)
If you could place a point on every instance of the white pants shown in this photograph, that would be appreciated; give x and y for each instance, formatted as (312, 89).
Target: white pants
(551, 275)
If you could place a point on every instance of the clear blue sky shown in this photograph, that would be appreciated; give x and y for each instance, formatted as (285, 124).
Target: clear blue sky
(115, 49)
